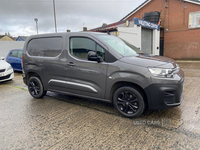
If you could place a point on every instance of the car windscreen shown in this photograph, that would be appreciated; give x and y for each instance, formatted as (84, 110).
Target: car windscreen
(121, 46)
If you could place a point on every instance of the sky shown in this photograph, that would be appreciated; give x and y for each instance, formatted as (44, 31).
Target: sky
(17, 16)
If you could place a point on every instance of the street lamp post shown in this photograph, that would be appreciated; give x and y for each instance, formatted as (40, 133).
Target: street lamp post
(54, 15)
(36, 20)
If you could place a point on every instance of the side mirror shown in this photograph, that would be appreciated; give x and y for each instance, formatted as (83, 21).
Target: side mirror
(99, 59)
(92, 56)
(2, 58)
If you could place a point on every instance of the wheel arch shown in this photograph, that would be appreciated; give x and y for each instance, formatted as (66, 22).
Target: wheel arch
(119, 84)
(31, 74)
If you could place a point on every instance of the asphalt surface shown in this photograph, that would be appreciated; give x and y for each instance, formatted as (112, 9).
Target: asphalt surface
(59, 121)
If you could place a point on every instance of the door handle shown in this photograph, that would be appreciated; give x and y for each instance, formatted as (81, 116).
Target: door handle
(71, 64)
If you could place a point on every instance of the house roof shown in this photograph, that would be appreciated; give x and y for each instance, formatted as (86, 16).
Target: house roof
(5, 38)
(136, 9)
(22, 37)
(109, 27)
(147, 1)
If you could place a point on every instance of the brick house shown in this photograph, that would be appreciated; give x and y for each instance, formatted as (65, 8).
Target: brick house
(180, 22)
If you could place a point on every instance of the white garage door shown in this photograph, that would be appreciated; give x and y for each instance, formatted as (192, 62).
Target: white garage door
(147, 38)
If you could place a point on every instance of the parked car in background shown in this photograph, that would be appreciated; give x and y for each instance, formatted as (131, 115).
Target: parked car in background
(15, 58)
(6, 71)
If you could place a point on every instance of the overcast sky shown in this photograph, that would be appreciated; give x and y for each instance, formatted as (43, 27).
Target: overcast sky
(17, 16)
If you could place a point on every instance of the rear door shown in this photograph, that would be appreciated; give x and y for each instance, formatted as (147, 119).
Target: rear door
(84, 77)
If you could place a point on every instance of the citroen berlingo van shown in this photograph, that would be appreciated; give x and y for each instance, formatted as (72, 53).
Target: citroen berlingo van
(101, 67)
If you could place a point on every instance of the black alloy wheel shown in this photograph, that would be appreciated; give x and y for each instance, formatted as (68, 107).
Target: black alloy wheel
(36, 88)
(129, 102)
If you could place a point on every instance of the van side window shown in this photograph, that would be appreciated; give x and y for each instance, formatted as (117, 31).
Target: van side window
(45, 47)
(79, 47)
(100, 52)
(14, 53)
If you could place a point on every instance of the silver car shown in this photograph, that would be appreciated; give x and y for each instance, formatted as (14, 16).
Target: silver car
(6, 70)
(102, 67)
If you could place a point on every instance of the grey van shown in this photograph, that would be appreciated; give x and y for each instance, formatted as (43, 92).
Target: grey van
(102, 67)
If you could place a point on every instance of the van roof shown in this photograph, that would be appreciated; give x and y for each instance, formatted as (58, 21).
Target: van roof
(63, 33)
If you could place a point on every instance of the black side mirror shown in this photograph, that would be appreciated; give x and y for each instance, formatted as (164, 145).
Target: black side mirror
(99, 59)
(92, 56)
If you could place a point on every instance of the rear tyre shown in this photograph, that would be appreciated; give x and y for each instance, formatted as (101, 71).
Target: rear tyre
(35, 87)
(129, 102)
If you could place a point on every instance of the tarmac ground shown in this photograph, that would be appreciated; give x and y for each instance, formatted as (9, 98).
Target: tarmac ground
(60, 121)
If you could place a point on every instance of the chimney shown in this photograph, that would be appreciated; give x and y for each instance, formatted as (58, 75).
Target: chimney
(104, 24)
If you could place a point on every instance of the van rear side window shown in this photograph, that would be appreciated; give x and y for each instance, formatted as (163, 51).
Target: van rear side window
(45, 47)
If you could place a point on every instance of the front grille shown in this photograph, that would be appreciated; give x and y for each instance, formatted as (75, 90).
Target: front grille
(5, 77)
(169, 97)
(2, 70)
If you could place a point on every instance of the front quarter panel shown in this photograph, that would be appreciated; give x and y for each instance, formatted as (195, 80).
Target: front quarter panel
(123, 72)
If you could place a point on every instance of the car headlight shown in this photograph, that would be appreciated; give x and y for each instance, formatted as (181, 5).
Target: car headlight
(161, 72)
(9, 68)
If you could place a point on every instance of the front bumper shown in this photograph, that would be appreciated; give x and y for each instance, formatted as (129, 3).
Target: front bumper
(7, 75)
(165, 94)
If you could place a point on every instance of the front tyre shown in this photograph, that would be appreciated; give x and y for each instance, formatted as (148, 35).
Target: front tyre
(35, 87)
(129, 102)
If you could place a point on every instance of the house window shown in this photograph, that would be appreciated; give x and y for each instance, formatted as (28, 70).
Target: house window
(194, 20)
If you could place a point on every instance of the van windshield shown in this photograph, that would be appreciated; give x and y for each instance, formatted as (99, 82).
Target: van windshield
(122, 47)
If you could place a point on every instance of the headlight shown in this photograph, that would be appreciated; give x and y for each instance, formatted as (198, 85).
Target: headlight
(9, 68)
(161, 72)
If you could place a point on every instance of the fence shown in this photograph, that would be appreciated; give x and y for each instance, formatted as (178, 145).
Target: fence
(6, 46)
